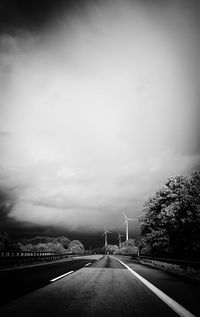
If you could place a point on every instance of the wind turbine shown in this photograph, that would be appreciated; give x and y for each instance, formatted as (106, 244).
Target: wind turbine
(105, 234)
(126, 222)
(119, 238)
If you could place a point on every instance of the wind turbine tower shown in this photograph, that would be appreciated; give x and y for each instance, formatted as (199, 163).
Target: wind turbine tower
(126, 222)
(119, 238)
(106, 236)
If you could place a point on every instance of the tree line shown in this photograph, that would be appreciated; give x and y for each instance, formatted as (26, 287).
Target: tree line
(58, 245)
(129, 247)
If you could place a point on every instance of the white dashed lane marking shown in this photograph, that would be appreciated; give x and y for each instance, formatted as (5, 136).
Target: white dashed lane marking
(61, 276)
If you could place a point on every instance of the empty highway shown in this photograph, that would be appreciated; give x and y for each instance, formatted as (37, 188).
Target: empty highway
(97, 286)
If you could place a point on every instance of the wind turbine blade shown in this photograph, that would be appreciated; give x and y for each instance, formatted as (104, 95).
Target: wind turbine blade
(124, 222)
(124, 215)
(131, 219)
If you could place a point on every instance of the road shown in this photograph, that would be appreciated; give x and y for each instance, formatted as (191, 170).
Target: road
(103, 288)
(23, 280)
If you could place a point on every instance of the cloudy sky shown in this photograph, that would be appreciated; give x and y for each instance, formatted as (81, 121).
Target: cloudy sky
(99, 105)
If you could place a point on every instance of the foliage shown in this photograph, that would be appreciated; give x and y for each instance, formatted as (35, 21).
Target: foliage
(129, 247)
(99, 250)
(130, 243)
(64, 241)
(43, 247)
(45, 244)
(6, 204)
(113, 249)
(42, 244)
(76, 247)
(120, 252)
(6, 242)
(43, 239)
(171, 224)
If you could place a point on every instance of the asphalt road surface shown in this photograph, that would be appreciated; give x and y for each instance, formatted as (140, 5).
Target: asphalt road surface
(103, 288)
(18, 282)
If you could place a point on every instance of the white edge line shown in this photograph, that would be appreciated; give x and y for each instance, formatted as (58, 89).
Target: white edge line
(87, 264)
(57, 278)
(180, 310)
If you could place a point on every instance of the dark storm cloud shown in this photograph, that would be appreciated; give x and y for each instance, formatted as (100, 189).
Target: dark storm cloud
(18, 15)
(31, 15)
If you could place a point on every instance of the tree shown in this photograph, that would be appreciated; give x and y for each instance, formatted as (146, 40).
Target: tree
(171, 224)
(5, 241)
(113, 249)
(130, 247)
(6, 205)
(76, 247)
(130, 243)
(64, 241)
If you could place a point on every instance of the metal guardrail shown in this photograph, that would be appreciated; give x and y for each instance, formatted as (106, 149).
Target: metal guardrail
(30, 257)
(170, 261)
(24, 253)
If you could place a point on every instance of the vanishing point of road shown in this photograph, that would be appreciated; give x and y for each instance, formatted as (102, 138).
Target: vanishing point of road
(97, 286)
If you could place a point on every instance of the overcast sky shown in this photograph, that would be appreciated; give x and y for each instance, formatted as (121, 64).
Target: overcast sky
(97, 109)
